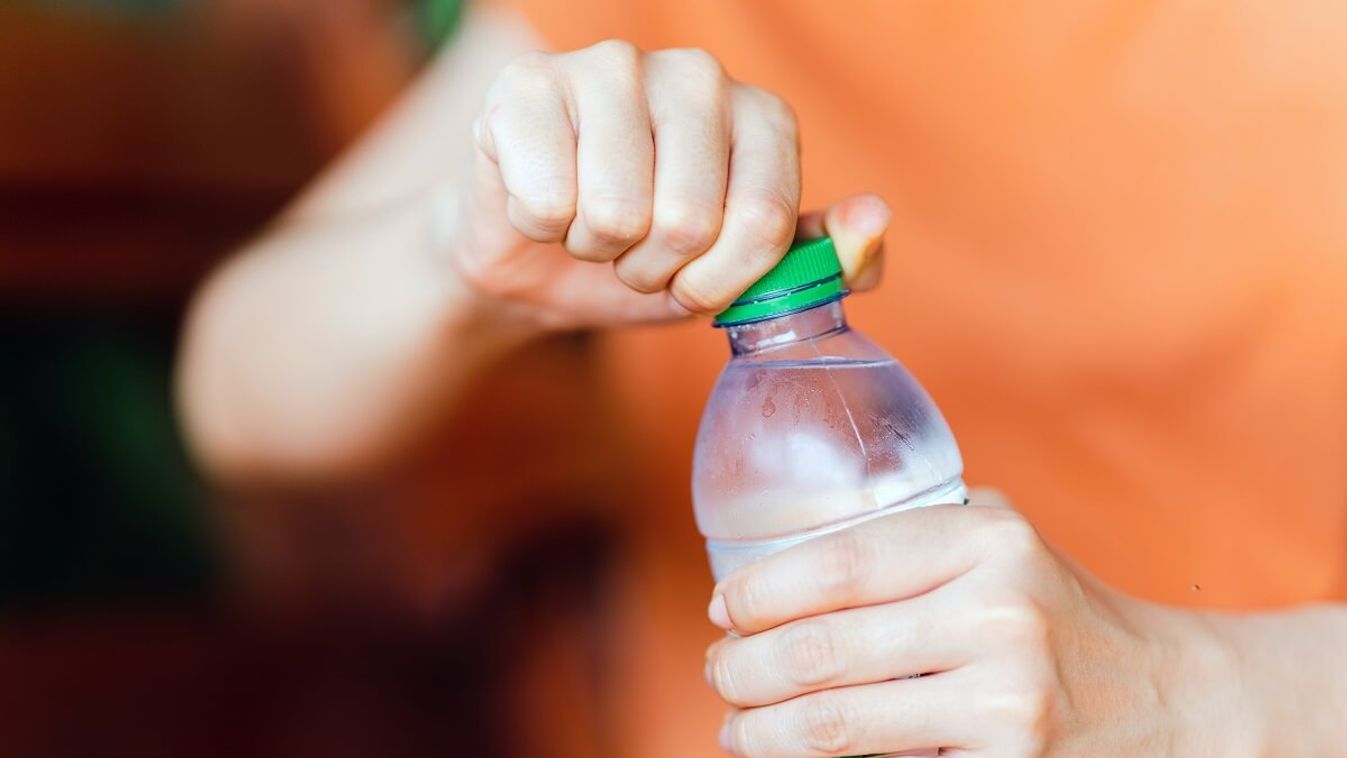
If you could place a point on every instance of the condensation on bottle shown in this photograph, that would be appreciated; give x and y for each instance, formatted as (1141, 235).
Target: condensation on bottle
(811, 428)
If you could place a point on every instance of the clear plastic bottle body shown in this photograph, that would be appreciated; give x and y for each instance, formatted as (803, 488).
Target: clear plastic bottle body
(812, 428)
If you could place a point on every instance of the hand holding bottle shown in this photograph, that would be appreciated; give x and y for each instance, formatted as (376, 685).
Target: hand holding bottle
(1023, 654)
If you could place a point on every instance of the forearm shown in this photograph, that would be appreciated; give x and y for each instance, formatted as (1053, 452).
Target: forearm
(323, 346)
(1294, 670)
(320, 347)
(1249, 685)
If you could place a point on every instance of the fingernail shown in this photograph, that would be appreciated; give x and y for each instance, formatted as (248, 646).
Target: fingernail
(706, 672)
(866, 216)
(724, 737)
(719, 613)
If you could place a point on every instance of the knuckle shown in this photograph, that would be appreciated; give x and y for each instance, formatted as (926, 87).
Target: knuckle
(695, 297)
(481, 130)
(615, 52)
(770, 219)
(1019, 623)
(527, 73)
(639, 278)
(484, 128)
(724, 679)
(1038, 714)
(691, 80)
(616, 221)
(781, 114)
(845, 563)
(825, 727)
(686, 229)
(809, 654)
(1012, 535)
(694, 62)
(747, 599)
(774, 108)
(1027, 715)
(552, 211)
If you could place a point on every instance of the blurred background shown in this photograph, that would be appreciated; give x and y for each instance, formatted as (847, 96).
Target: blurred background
(142, 613)
(1116, 265)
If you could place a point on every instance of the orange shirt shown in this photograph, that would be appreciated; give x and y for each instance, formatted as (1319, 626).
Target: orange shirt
(1118, 263)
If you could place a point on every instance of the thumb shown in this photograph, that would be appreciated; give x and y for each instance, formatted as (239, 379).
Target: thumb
(856, 225)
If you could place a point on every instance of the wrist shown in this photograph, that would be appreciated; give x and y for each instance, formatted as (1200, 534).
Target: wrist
(1200, 684)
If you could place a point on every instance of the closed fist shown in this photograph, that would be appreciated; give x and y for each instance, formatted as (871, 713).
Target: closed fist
(613, 185)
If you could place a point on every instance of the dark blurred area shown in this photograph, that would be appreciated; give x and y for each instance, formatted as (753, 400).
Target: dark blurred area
(144, 613)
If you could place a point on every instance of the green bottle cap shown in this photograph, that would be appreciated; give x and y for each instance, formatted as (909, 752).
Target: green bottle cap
(809, 275)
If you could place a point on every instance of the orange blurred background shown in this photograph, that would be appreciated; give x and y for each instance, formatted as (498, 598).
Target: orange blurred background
(1116, 263)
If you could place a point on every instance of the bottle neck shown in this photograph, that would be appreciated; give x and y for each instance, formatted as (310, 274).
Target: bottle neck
(770, 333)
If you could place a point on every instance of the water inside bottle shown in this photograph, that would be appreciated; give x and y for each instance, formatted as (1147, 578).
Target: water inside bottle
(810, 447)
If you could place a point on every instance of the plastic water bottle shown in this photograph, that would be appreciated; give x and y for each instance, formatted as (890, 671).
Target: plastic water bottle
(811, 427)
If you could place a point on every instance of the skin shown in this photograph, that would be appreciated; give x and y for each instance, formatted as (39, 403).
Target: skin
(512, 194)
(1023, 653)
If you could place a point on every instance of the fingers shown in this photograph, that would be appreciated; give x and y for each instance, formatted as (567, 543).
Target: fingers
(688, 94)
(761, 203)
(857, 646)
(688, 181)
(527, 133)
(894, 716)
(857, 225)
(891, 558)
(615, 154)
